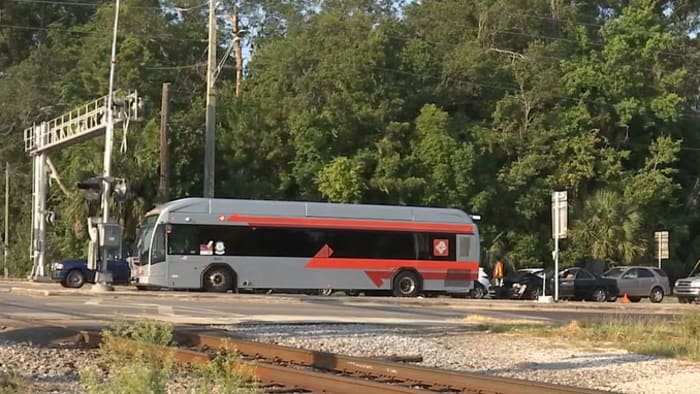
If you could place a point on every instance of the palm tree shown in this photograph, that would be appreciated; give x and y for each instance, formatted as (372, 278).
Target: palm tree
(609, 227)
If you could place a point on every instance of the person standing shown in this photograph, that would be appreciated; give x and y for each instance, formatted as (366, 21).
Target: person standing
(497, 273)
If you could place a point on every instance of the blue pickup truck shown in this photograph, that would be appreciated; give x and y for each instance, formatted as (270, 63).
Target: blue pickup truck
(75, 273)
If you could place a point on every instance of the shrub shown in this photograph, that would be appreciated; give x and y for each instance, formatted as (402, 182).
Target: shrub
(12, 383)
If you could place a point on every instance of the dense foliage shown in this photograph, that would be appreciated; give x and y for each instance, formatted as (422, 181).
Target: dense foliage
(485, 105)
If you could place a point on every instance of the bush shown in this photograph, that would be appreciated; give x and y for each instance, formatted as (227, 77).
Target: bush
(132, 369)
(12, 383)
(218, 376)
(144, 368)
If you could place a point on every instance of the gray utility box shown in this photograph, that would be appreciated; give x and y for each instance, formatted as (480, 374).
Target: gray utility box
(110, 235)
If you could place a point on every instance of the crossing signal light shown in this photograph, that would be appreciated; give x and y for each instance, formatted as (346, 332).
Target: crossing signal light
(92, 188)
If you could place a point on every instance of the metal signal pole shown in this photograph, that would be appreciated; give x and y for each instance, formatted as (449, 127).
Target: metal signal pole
(7, 215)
(210, 133)
(164, 168)
(104, 278)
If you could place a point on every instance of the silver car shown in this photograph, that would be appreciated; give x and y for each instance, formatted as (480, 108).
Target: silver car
(482, 285)
(639, 282)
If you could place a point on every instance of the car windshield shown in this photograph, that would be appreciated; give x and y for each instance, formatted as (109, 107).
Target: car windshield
(614, 273)
(143, 243)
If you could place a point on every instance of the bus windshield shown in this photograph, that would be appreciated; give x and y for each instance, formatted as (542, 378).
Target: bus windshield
(143, 242)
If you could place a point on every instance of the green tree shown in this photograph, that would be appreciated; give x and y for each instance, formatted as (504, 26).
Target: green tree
(609, 228)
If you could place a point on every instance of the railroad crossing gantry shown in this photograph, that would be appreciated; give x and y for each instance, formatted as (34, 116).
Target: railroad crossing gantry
(84, 122)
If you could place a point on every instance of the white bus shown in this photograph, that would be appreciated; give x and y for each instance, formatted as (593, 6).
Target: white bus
(224, 245)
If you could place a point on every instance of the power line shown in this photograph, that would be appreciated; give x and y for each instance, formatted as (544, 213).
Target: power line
(556, 38)
(168, 37)
(96, 5)
(189, 66)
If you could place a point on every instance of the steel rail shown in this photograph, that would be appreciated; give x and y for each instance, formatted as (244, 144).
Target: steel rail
(431, 379)
(271, 377)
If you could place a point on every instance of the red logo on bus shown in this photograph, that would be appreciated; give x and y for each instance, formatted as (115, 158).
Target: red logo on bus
(441, 247)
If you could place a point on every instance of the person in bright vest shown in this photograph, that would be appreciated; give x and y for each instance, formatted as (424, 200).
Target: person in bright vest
(497, 273)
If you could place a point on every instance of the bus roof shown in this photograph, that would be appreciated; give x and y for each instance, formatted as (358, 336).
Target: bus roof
(215, 208)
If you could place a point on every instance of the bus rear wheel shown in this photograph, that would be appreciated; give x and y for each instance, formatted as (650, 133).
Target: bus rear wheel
(406, 284)
(218, 280)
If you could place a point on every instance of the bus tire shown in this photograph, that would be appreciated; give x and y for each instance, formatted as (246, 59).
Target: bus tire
(406, 284)
(218, 279)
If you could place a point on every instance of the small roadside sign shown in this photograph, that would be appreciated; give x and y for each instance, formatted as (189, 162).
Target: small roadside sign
(661, 238)
(559, 215)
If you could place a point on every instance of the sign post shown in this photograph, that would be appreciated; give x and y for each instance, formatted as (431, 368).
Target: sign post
(661, 238)
(559, 230)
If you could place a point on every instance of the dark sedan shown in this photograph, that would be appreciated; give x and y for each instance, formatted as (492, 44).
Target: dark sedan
(574, 284)
(579, 284)
(75, 273)
(523, 284)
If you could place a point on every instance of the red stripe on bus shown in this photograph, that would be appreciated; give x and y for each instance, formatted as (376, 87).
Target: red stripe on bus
(378, 277)
(391, 264)
(352, 224)
(429, 269)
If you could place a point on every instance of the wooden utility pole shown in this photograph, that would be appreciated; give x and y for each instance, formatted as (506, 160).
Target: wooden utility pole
(7, 217)
(210, 132)
(164, 166)
(238, 52)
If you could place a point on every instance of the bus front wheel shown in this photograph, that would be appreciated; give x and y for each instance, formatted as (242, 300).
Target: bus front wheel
(218, 280)
(406, 284)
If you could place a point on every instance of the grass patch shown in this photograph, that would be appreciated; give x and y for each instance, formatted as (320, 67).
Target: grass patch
(126, 369)
(130, 369)
(12, 383)
(486, 323)
(675, 339)
(217, 376)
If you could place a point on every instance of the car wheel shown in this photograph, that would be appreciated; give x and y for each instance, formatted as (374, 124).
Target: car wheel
(217, 280)
(634, 299)
(534, 294)
(599, 295)
(74, 280)
(406, 284)
(657, 295)
(478, 291)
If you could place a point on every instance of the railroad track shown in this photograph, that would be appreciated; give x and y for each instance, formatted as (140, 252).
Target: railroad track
(281, 369)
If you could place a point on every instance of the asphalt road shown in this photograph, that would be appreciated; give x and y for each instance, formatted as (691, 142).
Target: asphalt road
(201, 308)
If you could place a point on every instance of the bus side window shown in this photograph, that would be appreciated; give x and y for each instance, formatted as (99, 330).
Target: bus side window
(183, 240)
(463, 247)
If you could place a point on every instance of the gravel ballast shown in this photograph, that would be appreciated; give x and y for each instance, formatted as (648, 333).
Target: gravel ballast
(55, 369)
(546, 360)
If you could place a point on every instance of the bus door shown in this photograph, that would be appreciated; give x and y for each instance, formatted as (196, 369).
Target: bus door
(186, 259)
(157, 269)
